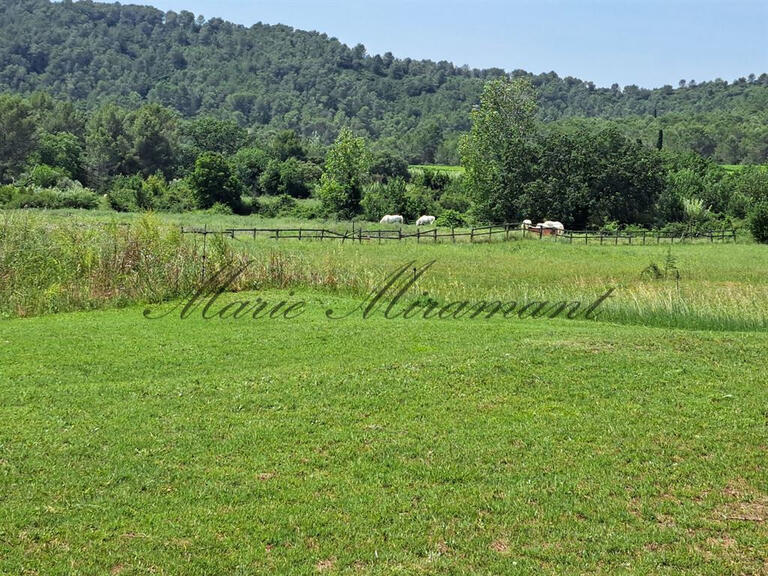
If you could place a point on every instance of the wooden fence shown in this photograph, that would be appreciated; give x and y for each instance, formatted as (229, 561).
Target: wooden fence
(502, 232)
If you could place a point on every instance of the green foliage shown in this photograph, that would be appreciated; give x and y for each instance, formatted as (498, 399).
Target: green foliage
(44, 176)
(209, 134)
(53, 198)
(497, 154)
(154, 131)
(61, 150)
(214, 182)
(250, 163)
(758, 222)
(17, 134)
(308, 82)
(287, 144)
(178, 197)
(419, 201)
(451, 219)
(388, 165)
(384, 198)
(346, 173)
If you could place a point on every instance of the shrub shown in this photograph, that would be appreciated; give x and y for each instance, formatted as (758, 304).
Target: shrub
(455, 201)
(214, 182)
(151, 191)
(45, 176)
(219, 209)
(178, 197)
(123, 200)
(283, 205)
(380, 199)
(758, 222)
(451, 219)
(419, 202)
(7, 193)
(387, 166)
(53, 198)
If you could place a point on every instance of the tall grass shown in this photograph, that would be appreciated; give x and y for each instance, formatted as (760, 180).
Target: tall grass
(60, 264)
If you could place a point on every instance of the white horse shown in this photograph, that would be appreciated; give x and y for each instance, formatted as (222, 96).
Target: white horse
(425, 221)
(526, 224)
(392, 219)
(555, 225)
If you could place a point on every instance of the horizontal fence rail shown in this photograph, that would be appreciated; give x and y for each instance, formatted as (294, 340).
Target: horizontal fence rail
(502, 232)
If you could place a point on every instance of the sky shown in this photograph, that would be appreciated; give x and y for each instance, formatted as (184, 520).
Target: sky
(649, 43)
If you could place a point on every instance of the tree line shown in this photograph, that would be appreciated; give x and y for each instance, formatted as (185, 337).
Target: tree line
(52, 155)
(274, 78)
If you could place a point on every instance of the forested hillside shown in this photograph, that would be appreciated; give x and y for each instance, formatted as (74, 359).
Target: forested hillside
(270, 78)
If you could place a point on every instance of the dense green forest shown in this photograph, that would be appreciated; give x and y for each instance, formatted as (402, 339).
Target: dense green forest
(272, 78)
(128, 108)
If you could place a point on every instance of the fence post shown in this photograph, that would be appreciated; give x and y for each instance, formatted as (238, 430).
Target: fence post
(299, 234)
(541, 233)
(205, 241)
(453, 235)
(472, 235)
(435, 233)
(643, 237)
(601, 237)
(322, 233)
(490, 231)
(617, 237)
(418, 236)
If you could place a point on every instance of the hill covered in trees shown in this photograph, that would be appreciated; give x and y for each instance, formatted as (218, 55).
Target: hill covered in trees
(272, 78)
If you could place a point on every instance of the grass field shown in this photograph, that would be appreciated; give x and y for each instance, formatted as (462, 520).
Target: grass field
(132, 446)
(634, 444)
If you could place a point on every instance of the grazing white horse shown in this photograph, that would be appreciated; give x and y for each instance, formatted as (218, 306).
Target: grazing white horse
(550, 225)
(555, 225)
(425, 221)
(526, 224)
(392, 219)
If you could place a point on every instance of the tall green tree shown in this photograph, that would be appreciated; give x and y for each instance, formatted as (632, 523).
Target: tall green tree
(109, 144)
(155, 140)
(214, 181)
(346, 172)
(17, 134)
(498, 152)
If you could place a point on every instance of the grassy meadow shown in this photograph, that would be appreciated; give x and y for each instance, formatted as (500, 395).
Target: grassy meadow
(633, 444)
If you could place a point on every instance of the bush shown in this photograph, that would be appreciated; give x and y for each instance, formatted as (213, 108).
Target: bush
(7, 193)
(380, 199)
(53, 198)
(419, 202)
(123, 200)
(283, 205)
(178, 197)
(219, 209)
(451, 219)
(455, 201)
(758, 222)
(214, 182)
(387, 166)
(44, 176)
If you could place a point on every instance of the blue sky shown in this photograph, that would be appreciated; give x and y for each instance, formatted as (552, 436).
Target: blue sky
(649, 43)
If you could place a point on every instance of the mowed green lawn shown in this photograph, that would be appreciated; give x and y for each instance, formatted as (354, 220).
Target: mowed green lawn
(130, 446)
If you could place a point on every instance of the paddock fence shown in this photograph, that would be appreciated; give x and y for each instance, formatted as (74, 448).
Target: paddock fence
(490, 233)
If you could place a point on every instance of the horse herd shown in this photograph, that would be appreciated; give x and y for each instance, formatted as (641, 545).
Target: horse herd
(397, 219)
(550, 226)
